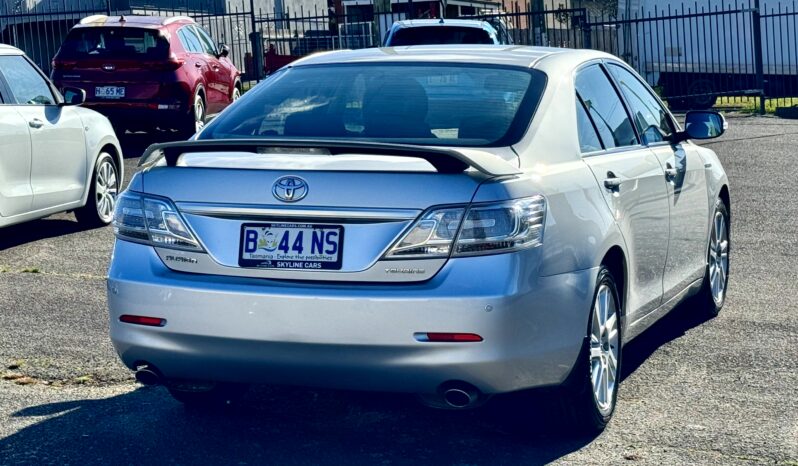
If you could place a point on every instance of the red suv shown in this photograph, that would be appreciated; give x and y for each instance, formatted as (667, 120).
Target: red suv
(146, 72)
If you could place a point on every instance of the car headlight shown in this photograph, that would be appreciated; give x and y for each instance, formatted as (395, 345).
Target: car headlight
(474, 230)
(152, 220)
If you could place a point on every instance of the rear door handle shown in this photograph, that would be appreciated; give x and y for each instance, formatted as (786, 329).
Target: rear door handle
(35, 123)
(612, 182)
(670, 172)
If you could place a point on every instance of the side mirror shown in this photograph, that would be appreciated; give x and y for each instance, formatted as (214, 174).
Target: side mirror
(73, 96)
(223, 50)
(702, 125)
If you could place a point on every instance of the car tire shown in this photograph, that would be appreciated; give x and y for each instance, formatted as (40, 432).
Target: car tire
(716, 275)
(590, 396)
(236, 93)
(195, 120)
(219, 396)
(99, 208)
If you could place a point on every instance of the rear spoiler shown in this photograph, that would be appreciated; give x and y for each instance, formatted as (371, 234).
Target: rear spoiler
(445, 160)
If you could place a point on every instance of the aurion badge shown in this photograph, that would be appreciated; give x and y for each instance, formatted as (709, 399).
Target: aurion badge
(290, 189)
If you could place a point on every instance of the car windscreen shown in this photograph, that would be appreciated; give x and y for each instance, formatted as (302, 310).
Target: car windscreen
(114, 42)
(432, 104)
(432, 35)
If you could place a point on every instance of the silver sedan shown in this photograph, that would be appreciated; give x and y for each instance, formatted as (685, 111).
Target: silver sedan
(452, 221)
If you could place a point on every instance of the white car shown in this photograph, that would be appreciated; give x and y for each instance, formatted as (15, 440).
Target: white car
(54, 155)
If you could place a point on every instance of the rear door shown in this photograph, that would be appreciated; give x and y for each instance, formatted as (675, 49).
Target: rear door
(684, 180)
(217, 76)
(16, 195)
(631, 177)
(58, 150)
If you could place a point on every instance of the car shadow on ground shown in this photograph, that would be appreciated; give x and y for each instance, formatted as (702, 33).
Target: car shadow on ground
(284, 425)
(35, 230)
(675, 324)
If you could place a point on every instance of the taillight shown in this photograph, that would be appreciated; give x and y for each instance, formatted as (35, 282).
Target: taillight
(172, 64)
(63, 65)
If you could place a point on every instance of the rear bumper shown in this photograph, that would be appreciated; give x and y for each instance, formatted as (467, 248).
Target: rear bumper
(353, 336)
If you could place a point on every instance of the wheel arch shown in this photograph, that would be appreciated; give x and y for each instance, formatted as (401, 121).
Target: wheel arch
(724, 196)
(201, 92)
(615, 261)
(116, 154)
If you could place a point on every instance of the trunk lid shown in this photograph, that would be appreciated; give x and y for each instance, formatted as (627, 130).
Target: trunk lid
(371, 198)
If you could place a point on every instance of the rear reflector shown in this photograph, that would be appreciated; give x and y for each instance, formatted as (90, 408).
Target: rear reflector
(142, 320)
(448, 337)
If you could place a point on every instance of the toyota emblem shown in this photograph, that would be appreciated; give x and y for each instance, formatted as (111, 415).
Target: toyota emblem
(290, 189)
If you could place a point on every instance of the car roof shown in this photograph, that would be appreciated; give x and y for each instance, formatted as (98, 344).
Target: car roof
(132, 20)
(508, 55)
(9, 50)
(469, 23)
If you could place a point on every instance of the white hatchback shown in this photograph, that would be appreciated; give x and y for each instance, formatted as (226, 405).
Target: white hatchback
(54, 155)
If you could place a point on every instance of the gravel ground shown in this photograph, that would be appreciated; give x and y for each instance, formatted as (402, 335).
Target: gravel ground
(716, 392)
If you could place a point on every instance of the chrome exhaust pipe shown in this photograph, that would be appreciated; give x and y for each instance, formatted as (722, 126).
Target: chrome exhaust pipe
(147, 376)
(460, 397)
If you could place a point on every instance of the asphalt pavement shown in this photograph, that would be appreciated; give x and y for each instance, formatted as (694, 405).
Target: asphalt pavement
(722, 391)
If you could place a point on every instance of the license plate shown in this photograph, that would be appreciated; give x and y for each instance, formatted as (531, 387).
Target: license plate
(296, 246)
(109, 92)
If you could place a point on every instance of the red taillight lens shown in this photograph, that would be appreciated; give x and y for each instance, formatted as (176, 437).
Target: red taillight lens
(143, 320)
(172, 64)
(63, 65)
(447, 337)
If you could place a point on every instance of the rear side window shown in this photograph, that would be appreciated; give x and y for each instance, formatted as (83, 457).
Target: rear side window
(115, 42)
(431, 35)
(26, 84)
(588, 137)
(190, 40)
(605, 108)
(650, 117)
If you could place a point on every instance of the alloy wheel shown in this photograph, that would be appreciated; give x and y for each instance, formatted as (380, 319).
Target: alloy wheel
(719, 258)
(106, 190)
(604, 349)
(199, 114)
(236, 94)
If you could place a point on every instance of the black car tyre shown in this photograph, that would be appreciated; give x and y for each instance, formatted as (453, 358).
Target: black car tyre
(195, 120)
(589, 400)
(716, 277)
(99, 208)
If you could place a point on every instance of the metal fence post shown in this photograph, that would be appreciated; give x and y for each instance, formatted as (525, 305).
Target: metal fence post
(256, 38)
(756, 31)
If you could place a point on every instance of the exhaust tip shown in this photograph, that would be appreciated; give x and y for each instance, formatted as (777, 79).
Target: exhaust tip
(458, 398)
(146, 376)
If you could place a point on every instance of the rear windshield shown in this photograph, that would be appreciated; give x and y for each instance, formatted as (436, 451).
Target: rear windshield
(431, 35)
(413, 103)
(113, 42)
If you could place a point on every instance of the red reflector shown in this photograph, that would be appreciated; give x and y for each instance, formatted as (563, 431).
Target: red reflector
(141, 320)
(448, 337)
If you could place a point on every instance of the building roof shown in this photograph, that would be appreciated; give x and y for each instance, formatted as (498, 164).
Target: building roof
(510, 55)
